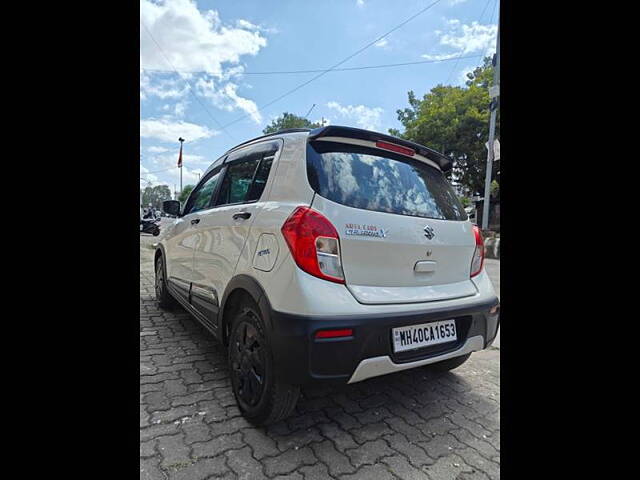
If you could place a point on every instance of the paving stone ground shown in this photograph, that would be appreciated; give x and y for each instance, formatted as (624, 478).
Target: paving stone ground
(409, 425)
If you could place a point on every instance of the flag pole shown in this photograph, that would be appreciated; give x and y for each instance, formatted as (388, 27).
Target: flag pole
(181, 140)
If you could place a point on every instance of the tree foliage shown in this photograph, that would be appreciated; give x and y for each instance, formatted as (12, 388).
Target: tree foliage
(289, 120)
(155, 196)
(184, 194)
(455, 121)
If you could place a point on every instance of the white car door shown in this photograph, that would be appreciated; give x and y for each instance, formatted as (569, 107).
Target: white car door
(182, 241)
(223, 230)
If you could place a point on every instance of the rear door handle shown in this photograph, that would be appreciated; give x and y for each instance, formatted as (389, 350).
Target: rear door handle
(195, 221)
(243, 215)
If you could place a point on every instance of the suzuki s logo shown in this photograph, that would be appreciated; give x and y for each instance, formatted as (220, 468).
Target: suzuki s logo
(428, 232)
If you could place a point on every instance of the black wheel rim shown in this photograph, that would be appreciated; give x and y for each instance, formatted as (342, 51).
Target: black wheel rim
(247, 363)
(159, 279)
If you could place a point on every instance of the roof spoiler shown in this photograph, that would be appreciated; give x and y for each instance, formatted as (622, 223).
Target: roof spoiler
(444, 162)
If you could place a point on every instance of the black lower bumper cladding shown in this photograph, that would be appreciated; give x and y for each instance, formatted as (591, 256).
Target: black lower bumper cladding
(300, 358)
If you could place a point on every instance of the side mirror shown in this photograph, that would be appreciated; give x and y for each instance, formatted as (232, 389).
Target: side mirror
(171, 207)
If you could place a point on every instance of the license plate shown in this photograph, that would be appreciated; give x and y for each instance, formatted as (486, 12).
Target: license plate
(424, 335)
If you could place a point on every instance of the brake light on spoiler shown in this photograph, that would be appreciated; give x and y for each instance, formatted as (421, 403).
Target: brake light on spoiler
(392, 147)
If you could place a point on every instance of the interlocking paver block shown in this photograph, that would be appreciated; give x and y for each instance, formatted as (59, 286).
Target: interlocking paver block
(369, 453)
(369, 472)
(289, 461)
(403, 469)
(174, 452)
(261, 444)
(244, 465)
(337, 462)
(414, 453)
(201, 469)
(217, 445)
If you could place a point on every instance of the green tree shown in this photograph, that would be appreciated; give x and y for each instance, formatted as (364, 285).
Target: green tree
(465, 201)
(184, 194)
(155, 196)
(455, 121)
(289, 120)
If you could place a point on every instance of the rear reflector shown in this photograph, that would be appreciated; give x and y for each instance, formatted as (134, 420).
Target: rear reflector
(345, 332)
(395, 148)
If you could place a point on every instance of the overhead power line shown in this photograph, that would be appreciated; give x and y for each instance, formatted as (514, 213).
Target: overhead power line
(188, 84)
(346, 69)
(295, 89)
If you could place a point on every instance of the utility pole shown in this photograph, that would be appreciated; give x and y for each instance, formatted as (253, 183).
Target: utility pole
(307, 115)
(181, 140)
(494, 92)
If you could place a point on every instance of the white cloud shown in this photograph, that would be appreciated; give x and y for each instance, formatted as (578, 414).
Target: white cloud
(226, 97)
(151, 178)
(456, 2)
(162, 87)
(197, 41)
(193, 40)
(177, 109)
(465, 39)
(168, 131)
(381, 43)
(470, 38)
(157, 149)
(365, 117)
(440, 56)
(360, 3)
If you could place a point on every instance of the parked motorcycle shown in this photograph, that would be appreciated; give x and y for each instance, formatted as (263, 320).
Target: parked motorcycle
(150, 225)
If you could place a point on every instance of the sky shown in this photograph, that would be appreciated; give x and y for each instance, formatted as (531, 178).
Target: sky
(203, 67)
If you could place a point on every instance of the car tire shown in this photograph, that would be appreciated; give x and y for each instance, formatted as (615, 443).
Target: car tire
(449, 364)
(156, 232)
(164, 298)
(261, 397)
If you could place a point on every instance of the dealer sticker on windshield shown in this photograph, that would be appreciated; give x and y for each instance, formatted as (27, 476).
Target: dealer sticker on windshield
(356, 229)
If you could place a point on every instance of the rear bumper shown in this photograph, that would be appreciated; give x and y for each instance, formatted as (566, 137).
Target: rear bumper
(301, 359)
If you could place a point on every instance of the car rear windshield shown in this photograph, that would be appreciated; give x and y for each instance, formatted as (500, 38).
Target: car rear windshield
(370, 179)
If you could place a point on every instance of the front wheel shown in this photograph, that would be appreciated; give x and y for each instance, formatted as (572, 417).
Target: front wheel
(156, 232)
(261, 397)
(164, 298)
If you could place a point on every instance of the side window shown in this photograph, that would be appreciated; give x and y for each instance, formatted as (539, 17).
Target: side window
(201, 197)
(261, 178)
(237, 181)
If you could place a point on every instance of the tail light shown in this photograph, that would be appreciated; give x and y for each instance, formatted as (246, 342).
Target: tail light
(314, 244)
(478, 254)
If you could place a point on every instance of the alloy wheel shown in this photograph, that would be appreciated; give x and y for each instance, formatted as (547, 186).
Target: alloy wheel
(159, 279)
(247, 363)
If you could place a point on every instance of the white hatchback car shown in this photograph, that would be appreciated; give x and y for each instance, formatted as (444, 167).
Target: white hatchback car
(334, 255)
